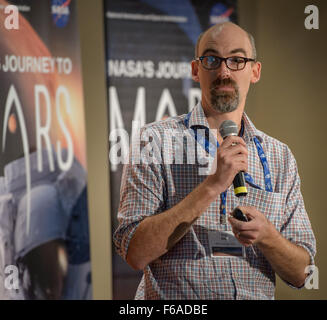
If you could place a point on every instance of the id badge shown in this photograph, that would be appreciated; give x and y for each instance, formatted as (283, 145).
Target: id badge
(224, 244)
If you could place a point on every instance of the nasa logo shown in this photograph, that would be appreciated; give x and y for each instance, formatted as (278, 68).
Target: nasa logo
(60, 12)
(220, 13)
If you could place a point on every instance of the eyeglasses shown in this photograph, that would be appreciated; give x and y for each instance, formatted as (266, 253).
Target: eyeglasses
(232, 63)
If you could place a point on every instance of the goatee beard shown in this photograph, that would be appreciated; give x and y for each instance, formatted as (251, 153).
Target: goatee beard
(224, 101)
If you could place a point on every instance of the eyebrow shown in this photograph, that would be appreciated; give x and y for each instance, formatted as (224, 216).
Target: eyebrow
(210, 50)
(218, 53)
(238, 50)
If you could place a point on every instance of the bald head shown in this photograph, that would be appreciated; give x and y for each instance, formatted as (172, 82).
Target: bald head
(215, 30)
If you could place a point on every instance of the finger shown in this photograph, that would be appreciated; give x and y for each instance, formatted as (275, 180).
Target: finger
(240, 158)
(232, 140)
(230, 160)
(236, 165)
(244, 242)
(232, 145)
(237, 149)
(247, 235)
(240, 165)
(250, 211)
(240, 226)
(237, 225)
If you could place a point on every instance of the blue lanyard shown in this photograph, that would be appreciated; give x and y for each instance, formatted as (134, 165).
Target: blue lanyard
(211, 149)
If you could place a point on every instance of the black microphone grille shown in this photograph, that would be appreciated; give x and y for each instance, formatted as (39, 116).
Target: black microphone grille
(228, 128)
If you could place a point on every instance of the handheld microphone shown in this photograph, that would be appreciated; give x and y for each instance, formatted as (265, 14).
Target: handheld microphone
(226, 129)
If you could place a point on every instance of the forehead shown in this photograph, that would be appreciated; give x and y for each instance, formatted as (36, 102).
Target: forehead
(224, 39)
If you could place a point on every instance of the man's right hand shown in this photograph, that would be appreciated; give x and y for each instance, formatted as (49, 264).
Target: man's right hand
(231, 158)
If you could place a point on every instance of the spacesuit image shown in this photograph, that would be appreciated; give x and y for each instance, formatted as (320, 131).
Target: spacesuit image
(52, 254)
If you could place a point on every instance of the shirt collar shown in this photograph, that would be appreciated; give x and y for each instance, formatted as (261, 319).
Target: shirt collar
(250, 131)
(198, 118)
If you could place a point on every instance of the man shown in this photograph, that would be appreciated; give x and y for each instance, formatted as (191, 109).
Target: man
(173, 221)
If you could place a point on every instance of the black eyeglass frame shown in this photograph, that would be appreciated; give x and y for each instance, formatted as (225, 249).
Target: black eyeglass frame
(221, 59)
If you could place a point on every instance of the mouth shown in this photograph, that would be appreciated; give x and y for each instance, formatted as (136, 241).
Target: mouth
(224, 88)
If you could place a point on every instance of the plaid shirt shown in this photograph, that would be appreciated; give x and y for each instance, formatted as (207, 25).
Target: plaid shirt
(188, 271)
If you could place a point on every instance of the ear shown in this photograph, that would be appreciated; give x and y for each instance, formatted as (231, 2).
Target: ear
(195, 71)
(256, 72)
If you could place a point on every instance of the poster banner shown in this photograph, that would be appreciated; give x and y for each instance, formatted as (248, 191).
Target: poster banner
(44, 230)
(150, 45)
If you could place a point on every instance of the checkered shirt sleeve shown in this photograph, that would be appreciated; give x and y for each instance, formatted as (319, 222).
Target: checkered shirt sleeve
(142, 190)
(296, 225)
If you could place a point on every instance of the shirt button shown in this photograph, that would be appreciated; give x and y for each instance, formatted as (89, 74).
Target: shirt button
(236, 275)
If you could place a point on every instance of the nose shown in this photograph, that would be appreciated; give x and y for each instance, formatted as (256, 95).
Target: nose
(223, 71)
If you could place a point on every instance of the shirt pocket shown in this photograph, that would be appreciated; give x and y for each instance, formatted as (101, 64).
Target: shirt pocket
(271, 204)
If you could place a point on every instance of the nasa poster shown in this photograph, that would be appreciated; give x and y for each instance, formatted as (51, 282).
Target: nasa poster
(44, 230)
(149, 47)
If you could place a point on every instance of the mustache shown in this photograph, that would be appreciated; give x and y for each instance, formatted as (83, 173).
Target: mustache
(224, 82)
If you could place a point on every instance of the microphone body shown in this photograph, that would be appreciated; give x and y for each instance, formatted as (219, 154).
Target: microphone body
(229, 128)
